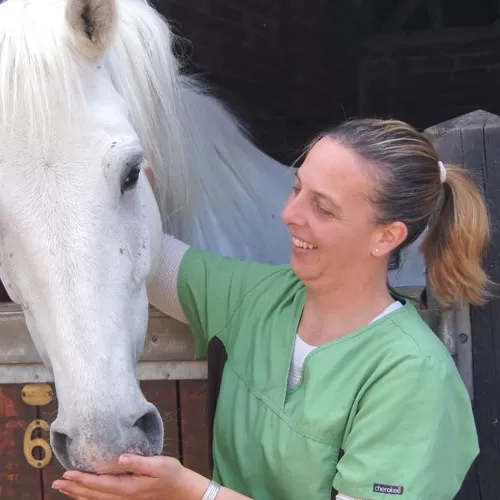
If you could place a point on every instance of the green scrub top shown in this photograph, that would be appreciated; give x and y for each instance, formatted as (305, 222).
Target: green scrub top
(381, 413)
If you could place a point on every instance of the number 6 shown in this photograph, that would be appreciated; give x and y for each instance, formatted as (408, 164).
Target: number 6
(30, 444)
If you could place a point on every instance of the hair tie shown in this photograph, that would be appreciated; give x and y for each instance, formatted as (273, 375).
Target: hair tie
(442, 172)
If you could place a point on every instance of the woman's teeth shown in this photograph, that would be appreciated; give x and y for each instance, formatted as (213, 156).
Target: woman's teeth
(302, 244)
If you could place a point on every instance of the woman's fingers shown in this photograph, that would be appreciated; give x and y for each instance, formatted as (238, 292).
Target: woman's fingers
(98, 487)
(149, 477)
(80, 492)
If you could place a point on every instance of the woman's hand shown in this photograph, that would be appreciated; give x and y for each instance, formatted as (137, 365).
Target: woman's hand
(154, 478)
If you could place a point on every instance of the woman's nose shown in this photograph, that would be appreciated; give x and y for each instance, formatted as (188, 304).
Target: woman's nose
(293, 212)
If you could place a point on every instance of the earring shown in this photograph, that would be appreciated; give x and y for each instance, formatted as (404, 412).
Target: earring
(376, 250)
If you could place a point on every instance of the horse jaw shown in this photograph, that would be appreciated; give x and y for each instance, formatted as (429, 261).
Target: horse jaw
(91, 25)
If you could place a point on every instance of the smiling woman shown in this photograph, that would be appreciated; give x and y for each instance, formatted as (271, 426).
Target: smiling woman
(333, 381)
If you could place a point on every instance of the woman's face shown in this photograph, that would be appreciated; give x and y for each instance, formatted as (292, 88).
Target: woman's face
(331, 218)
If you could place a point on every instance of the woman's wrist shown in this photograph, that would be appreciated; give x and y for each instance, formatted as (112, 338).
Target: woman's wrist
(191, 485)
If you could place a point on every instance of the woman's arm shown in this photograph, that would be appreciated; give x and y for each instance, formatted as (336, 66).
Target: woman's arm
(162, 291)
(151, 478)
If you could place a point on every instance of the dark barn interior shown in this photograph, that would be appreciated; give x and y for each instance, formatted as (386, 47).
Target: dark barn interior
(288, 68)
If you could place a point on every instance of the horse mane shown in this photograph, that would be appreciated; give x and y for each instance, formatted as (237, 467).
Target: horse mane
(37, 67)
(240, 191)
(145, 72)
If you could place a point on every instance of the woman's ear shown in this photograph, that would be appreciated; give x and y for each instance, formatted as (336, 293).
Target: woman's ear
(388, 238)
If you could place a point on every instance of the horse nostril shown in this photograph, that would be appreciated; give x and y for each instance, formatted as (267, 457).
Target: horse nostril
(152, 426)
(60, 444)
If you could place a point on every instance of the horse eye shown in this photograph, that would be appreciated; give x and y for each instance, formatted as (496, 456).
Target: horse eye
(131, 180)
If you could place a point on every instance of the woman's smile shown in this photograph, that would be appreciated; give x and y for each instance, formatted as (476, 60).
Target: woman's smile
(300, 244)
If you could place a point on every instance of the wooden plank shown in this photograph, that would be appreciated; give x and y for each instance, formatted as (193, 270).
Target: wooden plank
(166, 338)
(401, 14)
(195, 450)
(18, 479)
(163, 394)
(435, 9)
(167, 370)
(486, 348)
(486, 324)
(474, 141)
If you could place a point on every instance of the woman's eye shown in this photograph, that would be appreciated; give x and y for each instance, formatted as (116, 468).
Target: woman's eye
(323, 211)
(131, 180)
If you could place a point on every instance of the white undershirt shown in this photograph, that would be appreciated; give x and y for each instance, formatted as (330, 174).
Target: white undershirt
(302, 349)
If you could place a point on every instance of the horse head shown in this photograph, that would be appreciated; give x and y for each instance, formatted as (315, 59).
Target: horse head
(80, 228)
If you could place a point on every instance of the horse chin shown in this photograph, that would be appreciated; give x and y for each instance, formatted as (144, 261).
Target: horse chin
(106, 465)
(111, 469)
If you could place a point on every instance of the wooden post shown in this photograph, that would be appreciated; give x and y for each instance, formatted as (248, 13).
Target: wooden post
(473, 140)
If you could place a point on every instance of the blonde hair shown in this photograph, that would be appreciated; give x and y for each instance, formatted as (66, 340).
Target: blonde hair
(408, 188)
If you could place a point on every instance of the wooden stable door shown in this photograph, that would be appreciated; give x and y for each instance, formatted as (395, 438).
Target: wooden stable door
(27, 466)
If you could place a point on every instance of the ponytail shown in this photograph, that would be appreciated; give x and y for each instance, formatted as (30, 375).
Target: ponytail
(458, 234)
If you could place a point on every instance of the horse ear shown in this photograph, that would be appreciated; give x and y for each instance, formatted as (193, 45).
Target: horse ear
(92, 25)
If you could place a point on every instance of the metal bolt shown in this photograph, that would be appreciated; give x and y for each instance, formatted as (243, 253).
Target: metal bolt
(463, 338)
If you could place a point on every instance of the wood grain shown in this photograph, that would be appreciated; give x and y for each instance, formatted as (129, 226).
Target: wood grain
(18, 480)
(194, 428)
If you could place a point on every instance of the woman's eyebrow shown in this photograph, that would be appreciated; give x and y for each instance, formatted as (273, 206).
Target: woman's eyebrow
(323, 195)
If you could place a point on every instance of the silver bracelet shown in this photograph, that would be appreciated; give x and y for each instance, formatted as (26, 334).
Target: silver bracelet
(212, 491)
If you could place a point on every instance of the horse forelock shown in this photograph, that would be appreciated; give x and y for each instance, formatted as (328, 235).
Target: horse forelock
(37, 69)
(145, 72)
(40, 72)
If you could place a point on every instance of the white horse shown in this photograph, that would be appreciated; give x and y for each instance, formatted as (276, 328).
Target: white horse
(90, 95)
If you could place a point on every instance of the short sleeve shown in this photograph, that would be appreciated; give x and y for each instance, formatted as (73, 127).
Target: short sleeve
(412, 437)
(211, 288)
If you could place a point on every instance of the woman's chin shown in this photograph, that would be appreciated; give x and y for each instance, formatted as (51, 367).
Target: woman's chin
(304, 270)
